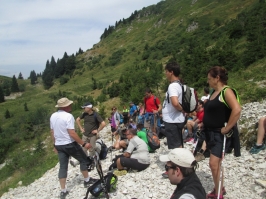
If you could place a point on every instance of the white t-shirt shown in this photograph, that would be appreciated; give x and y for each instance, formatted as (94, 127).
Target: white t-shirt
(60, 122)
(170, 113)
(204, 97)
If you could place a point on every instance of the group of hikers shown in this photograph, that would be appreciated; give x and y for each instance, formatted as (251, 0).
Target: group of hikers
(211, 126)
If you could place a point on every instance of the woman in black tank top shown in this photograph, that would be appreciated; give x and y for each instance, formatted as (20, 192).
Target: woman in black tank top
(216, 114)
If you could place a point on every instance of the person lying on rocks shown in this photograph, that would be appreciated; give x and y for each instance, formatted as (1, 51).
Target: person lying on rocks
(135, 157)
(259, 145)
(181, 166)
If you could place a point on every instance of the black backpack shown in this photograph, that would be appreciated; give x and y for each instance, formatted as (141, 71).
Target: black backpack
(97, 188)
(104, 150)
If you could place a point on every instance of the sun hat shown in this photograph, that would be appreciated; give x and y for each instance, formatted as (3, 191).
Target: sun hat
(63, 102)
(180, 156)
(87, 104)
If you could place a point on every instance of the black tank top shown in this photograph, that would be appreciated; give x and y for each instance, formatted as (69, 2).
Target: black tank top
(216, 113)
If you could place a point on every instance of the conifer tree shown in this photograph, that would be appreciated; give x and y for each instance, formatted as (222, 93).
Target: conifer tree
(14, 85)
(26, 107)
(2, 96)
(7, 114)
(53, 64)
(47, 76)
(33, 77)
(20, 76)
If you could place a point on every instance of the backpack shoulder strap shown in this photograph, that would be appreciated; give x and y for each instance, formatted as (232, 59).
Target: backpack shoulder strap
(100, 143)
(176, 81)
(95, 119)
(222, 95)
(155, 102)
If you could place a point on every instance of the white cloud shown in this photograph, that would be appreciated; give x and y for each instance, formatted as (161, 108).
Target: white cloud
(31, 31)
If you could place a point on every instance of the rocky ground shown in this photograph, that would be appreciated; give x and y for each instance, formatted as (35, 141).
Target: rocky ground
(244, 176)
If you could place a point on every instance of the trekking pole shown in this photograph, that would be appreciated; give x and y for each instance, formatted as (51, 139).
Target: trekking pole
(222, 166)
(112, 146)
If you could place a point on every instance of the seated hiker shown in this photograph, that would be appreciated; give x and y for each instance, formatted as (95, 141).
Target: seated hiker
(206, 95)
(132, 124)
(121, 141)
(261, 132)
(180, 167)
(141, 114)
(135, 157)
(141, 133)
(193, 125)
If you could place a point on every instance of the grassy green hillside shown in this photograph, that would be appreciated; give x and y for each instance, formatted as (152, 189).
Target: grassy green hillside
(129, 58)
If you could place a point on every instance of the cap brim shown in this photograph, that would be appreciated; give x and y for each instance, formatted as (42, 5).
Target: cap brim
(164, 158)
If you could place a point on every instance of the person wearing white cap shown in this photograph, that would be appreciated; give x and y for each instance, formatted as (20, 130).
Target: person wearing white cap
(181, 166)
(93, 124)
(67, 143)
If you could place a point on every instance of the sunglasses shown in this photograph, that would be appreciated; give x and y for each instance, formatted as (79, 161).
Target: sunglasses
(168, 167)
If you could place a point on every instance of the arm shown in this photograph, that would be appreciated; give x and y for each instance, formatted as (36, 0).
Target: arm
(75, 136)
(175, 103)
(53, 139)
(102, 125)
(127, 155)
(78, 123)
(235, 113)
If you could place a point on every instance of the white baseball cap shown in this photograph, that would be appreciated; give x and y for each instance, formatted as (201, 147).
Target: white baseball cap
(180, 156)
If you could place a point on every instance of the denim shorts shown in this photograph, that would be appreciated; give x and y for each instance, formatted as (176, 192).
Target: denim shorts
(216, 148)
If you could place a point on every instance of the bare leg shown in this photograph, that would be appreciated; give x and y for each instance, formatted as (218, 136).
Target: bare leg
(85, 174)
(119, 166)
(190, 125)
(261, 131)
(62, 183)
(215, 165)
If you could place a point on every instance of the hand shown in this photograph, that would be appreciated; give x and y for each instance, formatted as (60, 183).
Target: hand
(154, 111)
(55, 150)
(224, 130)
(82, 130)
(87, 145)
(94, 131)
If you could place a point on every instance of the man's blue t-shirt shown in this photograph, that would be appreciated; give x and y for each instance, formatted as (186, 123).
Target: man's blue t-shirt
(132, 110)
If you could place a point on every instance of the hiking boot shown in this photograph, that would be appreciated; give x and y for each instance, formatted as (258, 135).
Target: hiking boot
(63, 194)
(199, 156)
(165, 174)
(213, 195)
(189, 139)
(256, 149)
(91, 181)
(120, 172)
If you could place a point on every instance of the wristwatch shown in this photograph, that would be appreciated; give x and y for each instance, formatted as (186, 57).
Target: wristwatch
(83, 145)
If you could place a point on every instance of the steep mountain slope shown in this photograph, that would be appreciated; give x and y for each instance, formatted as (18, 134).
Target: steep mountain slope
(129, 58)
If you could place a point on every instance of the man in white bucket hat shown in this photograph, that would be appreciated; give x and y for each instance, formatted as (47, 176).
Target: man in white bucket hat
(180, 167)
(67, 143)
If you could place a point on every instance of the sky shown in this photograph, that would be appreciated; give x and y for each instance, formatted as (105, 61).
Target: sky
(32, 31)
